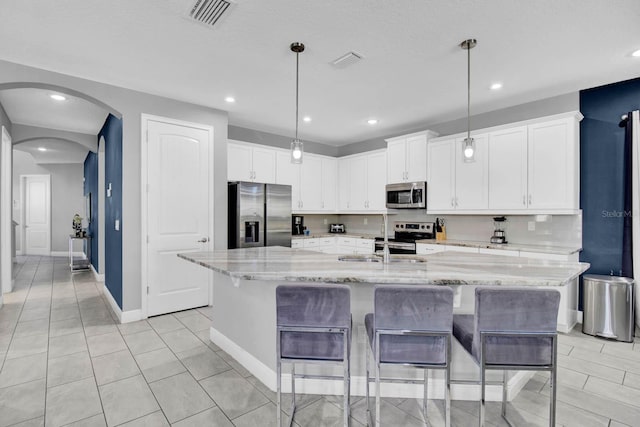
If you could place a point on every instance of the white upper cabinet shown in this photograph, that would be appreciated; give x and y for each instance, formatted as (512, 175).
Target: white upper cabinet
(288, 173)
(441, 176)
(362, 181)
(248, 162)
(554, 165)
(311, 184)
(526, 167)
(508, 168)
(454, 184)
(407, 157)
(471, 182)
(329, 184)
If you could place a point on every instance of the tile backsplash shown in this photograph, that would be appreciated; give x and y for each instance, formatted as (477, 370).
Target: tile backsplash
(556, 230)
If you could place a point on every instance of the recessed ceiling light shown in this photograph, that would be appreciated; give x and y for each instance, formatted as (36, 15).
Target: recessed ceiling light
(372, 121)
(230, 99)
(42, 149)
(496, 86)
(306, 119)
(636, 53)
(57, 97)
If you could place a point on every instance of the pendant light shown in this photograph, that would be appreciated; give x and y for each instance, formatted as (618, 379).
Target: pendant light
(469, 144)
(296, 145)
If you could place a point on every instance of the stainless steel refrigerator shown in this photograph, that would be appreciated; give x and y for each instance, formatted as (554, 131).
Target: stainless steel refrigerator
(259, 215)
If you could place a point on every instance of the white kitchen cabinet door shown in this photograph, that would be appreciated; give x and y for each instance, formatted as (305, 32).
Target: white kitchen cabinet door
(264, 165)
(376, 182)
(329, 184)
(428, 249)
(441, 175)
(508, 169)
(396, 161)
(467, 249)
(471, 191)
(358, 183)
(343, 184)
(239, 162)
(553, 165)
(416, 158)
(311, 183)
(288, 173)
(501, 252)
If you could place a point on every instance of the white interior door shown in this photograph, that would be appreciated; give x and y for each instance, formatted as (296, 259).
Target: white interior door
(179, 214)
(37, 214)
(6, 250)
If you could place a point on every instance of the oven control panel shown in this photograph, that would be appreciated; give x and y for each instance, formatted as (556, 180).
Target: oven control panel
(414, 227)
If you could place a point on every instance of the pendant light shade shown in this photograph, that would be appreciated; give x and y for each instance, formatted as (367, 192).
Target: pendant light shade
(297, 148)
(469, 144)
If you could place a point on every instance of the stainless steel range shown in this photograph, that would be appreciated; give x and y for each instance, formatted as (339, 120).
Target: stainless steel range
(406, 234)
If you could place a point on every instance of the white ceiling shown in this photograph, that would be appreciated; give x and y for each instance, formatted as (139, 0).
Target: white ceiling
(58, 151)
(413, 71)
(34, 107)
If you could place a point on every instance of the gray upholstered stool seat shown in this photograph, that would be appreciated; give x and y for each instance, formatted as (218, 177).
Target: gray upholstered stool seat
(313, 326)
(512, 329)
(410, 326)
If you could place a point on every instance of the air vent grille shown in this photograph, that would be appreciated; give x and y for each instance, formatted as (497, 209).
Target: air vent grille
(346, 60)
(209, 12)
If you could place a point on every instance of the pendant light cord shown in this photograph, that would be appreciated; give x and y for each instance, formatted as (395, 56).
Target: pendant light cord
(297, 76)
(468, 92)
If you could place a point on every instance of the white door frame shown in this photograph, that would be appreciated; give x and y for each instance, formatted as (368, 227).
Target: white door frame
(23, 211)
(144, 139)
(6, 183)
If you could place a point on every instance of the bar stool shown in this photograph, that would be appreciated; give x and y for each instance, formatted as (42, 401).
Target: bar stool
(512, 329)
(410, 326)
(313, 326)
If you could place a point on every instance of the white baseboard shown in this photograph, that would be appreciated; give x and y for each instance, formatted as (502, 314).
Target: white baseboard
(81, 255)
(99, 277)
(358, 383)
(123, 316)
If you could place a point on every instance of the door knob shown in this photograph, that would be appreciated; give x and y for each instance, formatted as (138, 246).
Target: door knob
(203, 240)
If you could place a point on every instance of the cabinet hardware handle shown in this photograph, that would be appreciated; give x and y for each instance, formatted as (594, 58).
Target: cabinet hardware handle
(524, 200)
(529, 198)
(452, 202)
(203, 240)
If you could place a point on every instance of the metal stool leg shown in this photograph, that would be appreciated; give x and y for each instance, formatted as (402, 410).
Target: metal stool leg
(279, 393)
(293, 390)
(377, 368)
(425, 396)
(447, 396)
(482, 391)
(504, 393)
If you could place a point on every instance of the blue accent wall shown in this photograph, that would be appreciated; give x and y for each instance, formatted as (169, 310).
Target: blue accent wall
(91, 187)
(601, 172)
(112, 133)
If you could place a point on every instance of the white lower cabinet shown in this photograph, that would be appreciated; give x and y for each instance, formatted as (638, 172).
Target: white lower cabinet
(501, 252)
(428, 249)
(467, 249)
(297, 243)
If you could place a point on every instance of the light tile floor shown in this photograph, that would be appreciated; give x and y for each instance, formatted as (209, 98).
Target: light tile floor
(65, 361)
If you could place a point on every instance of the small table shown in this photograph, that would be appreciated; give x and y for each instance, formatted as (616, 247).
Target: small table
(83, 263)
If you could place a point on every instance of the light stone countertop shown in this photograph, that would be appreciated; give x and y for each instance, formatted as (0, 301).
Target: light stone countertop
(445, 268)
(548, 249)
(317, 235)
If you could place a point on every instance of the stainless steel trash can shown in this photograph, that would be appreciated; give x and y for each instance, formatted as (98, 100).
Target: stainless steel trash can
(608, 307)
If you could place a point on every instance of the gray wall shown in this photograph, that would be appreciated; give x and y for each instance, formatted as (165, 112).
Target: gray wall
(531, 110)
(131, 104)
(66, 197)
(280, 141)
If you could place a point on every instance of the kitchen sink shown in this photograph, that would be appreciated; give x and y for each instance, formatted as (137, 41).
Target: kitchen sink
(406, 259)
(360, 258)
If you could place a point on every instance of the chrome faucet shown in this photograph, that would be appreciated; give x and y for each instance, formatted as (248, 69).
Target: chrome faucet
(385, 248)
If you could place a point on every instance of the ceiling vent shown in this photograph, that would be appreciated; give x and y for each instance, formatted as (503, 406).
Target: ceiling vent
(346, 60)
(209, 12)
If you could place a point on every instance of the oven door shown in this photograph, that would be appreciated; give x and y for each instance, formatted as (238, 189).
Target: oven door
(409, 195)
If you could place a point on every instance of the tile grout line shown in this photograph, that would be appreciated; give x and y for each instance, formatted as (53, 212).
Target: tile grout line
(84, 332)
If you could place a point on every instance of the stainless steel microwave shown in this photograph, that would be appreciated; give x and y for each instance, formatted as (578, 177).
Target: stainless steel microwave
(407, 195)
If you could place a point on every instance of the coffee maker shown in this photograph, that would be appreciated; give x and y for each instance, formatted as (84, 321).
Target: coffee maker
(499, 232)
(297, 225)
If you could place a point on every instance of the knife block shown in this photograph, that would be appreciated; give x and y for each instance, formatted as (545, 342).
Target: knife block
(442, 235)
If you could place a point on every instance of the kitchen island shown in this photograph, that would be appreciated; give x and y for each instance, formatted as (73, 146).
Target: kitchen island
(244, 318)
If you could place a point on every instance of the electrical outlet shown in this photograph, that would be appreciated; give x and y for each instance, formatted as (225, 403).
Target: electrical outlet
(325, 221)
(531, 226)
(366, 221)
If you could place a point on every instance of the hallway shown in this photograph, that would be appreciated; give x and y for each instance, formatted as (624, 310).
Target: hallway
(65, 360)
